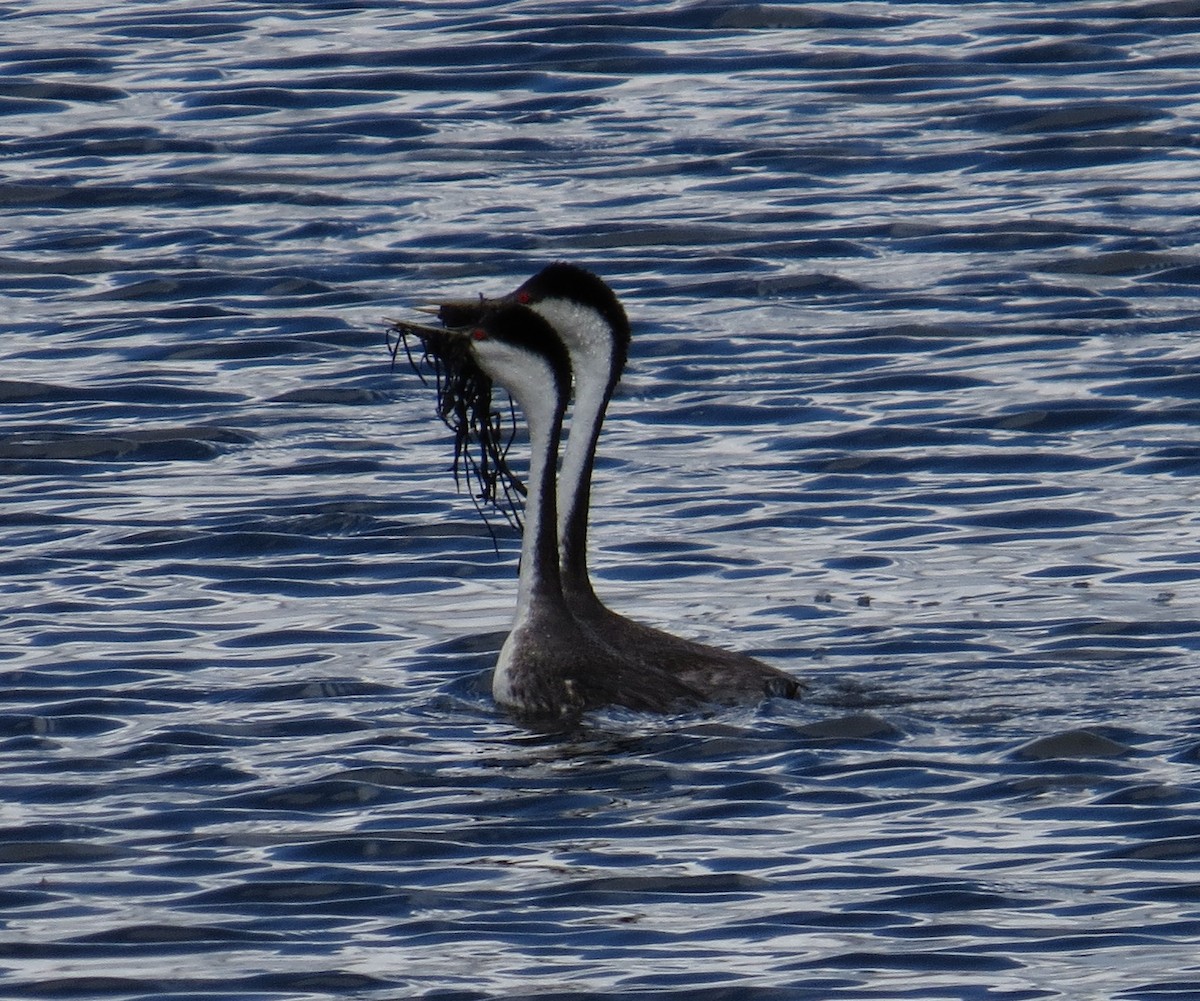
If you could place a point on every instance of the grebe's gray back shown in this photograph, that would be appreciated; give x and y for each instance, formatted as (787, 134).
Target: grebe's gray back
(588, 318)
(547, 666)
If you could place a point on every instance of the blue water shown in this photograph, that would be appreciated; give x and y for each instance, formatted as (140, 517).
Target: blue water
(913, 412)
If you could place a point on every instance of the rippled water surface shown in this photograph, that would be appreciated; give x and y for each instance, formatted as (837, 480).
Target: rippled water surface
(912, 412)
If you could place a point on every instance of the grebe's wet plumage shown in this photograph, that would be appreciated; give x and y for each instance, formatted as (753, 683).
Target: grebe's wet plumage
(581, 313)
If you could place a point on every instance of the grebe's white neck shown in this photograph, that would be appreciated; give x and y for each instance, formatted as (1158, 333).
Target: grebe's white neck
(541, 394)
(543, 409)
(588, 338)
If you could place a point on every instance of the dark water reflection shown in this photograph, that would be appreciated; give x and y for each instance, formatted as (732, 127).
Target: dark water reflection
(912, 412)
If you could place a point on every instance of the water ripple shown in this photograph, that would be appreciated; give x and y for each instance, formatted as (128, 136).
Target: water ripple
(910, 412)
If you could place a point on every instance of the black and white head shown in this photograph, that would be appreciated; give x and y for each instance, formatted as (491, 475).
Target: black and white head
(589, 321)
(502, 343)
(587, 315)
(578, 304)
(520, 351)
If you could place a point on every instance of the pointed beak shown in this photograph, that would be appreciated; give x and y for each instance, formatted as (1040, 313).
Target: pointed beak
(458, 316)
(461, 312)
(442, 342)
(422, 330)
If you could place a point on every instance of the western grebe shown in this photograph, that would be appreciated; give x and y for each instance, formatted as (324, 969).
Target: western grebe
(581, 311)
(547, 667)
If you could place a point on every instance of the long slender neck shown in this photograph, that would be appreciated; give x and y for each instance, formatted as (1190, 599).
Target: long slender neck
(575, 478)
(539, 582)
(589, 339)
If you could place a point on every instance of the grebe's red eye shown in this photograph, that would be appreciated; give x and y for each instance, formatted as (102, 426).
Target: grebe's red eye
(524, 298)
(478, 334)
